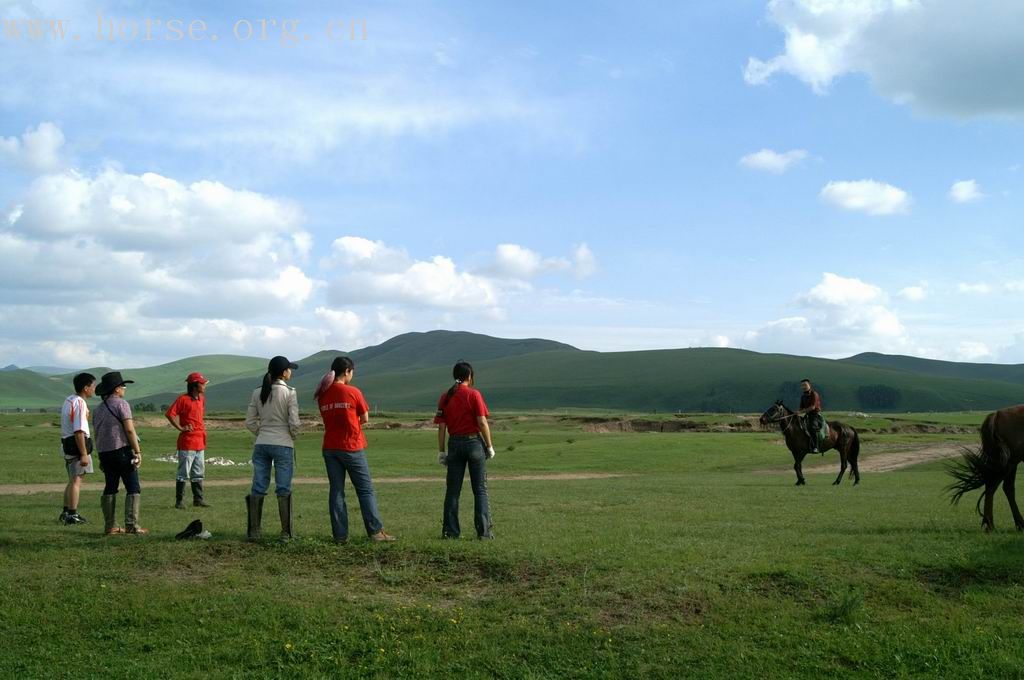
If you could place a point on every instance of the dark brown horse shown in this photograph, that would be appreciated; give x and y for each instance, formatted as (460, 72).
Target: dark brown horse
(995, 463)
(842, 438)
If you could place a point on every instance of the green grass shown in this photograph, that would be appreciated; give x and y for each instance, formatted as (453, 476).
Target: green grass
(692, 565)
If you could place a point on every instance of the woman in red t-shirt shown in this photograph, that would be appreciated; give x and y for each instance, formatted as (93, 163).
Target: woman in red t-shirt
(462, 412)
(344, 411)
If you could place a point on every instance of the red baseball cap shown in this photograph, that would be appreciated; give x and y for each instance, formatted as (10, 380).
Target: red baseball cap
(196, 377)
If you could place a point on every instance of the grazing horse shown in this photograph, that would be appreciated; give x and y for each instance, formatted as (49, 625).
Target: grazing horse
(842, 438)
(995, 463)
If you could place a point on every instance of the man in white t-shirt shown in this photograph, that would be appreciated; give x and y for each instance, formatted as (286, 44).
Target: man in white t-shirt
(76, 444)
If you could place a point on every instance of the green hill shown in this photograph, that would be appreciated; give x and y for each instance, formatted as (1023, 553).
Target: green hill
(1013, 373)
(719, 380)
(169, 378)
(27, 389)
(409, 371)
(404, 353)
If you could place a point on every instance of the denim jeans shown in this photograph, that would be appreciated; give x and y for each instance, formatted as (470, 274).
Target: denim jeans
(117, 466)
(282, 458)
(463, 451)
(354, 462)
(191, 466)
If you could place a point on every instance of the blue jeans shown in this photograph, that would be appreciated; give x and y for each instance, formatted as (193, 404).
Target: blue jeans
(282, 458)
(354, 462)
(463, 452)
(191, 466)
(117, 467)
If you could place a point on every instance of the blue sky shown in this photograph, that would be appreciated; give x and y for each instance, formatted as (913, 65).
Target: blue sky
(818, 177)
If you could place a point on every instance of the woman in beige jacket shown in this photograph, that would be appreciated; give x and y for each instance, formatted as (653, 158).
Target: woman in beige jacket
(273, 416)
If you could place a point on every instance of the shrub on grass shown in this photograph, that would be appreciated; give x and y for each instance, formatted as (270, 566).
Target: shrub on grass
(844, 607)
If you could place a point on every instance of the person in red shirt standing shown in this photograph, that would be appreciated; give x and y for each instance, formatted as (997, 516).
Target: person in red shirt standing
(344, 412)
(462, 412)
(187, 415)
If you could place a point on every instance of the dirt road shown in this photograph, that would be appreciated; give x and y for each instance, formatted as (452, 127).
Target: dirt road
(25, 489)
(879, 462)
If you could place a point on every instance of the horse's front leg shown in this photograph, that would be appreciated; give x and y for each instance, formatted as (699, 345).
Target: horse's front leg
(798, 460)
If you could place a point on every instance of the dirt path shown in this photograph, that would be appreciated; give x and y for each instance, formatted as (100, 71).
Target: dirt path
(879, 462)
(25, 489)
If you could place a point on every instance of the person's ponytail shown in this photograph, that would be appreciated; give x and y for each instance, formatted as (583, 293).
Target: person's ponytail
(462, 372)
(265, 389)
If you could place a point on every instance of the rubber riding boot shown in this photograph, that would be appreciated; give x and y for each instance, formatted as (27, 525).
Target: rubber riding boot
(179, 495)
(197, 495)
(109, 504)
(284, 508)
(131, 515)
(254, 511)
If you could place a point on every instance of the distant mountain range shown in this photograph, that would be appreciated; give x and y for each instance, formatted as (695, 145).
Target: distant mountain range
(408, 372)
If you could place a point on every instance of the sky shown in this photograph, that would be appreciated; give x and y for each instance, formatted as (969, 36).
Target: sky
(811, 177)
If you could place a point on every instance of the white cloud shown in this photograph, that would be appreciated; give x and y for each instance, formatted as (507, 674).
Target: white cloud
(842, 316)
(345, 326)
(773, 161)
(972, 351)
(945, 56)
(584, 261)
(975, 288)
(170, 249)
(362, 253)
(965, 191)
(338, 106)
(914, 293)
(69, 353)
(719, 341)
(37, 150)
(868, 196)
(515, 261)
(126, 212)
(377, 273)
(839, 291)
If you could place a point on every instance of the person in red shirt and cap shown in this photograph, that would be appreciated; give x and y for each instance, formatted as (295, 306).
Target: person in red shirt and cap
(461, 412)
(187, 415)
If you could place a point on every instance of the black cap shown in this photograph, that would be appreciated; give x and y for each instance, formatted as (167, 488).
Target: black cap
(110, 382)
(278, 364)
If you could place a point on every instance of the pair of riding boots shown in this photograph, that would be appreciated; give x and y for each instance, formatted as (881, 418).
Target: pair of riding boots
(254, 511)
(197, 495)
(131, 514)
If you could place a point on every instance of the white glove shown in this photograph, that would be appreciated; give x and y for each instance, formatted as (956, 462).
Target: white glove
(442, 458)
(490, 452)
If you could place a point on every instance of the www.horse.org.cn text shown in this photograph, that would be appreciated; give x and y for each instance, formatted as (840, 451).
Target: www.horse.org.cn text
(114, 29)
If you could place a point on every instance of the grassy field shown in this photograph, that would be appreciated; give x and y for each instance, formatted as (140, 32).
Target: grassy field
(698, 561)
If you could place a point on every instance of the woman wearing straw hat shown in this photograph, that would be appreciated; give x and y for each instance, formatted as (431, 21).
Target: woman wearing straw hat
(120, 454)
(273, 416)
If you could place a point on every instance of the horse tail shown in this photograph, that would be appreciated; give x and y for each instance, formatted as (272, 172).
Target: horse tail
(981, 466)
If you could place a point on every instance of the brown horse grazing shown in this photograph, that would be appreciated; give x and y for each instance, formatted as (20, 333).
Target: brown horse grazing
(1002, 449)
(842, 438)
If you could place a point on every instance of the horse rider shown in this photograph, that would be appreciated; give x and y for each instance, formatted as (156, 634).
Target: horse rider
(810, 408)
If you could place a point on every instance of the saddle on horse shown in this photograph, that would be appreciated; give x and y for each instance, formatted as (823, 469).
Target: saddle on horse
(817, 431)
